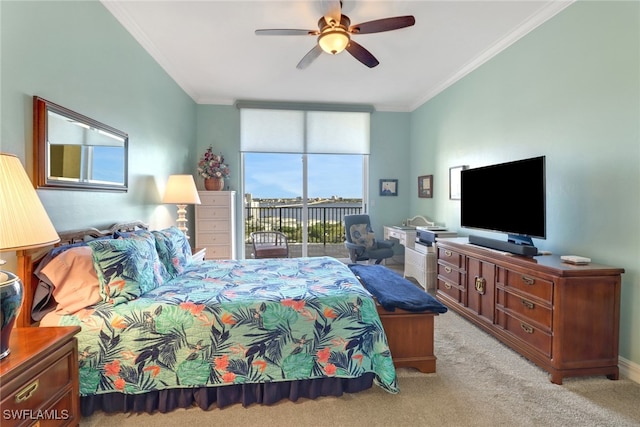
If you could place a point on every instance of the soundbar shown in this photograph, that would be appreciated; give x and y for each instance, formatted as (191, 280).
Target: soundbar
(500, 245)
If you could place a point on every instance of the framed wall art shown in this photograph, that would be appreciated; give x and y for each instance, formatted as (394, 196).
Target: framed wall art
(454, 181)
(388, 187)
(425, 186)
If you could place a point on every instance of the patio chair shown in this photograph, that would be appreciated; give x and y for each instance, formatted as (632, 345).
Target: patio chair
(269, 244)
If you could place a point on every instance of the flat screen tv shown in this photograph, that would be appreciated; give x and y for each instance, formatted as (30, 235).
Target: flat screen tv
(508, 198)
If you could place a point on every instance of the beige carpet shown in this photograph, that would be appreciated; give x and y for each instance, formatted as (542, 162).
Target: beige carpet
(479, 382)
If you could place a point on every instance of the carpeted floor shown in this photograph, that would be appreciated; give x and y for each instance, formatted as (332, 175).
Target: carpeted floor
(479, 382)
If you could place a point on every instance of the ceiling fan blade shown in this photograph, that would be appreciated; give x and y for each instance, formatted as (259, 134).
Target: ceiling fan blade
(380, 25)
(286, 32)
(332, 10)
(362, 54)
(309, 57)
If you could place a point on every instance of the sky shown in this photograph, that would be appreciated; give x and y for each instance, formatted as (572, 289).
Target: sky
(280, 175)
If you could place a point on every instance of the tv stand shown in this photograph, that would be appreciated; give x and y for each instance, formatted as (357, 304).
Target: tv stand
(562, 317)
(510, 246)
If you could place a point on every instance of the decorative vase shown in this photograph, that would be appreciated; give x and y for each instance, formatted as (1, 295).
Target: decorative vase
(214, 184)
(10, 303)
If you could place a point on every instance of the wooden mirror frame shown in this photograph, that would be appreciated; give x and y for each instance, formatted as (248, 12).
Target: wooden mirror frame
(42, 178)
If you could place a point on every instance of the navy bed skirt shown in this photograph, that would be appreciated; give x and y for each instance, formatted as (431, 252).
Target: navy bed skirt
(209, 397)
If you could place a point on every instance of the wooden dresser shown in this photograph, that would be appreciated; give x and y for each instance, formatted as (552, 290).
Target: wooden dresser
(563, 317)
(216, 224)
(39, 378)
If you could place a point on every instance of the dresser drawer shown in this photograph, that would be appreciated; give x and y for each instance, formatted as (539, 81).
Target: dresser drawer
(454, 292)
(220, 225)
(451, 257)
(205, 239)
(218, 252)
(528, 309)
(450, 274)
(529, 284)
(213, 213)
(534, 336)
(215, 199)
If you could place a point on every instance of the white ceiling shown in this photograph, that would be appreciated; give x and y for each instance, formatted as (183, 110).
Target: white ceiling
(209, 47)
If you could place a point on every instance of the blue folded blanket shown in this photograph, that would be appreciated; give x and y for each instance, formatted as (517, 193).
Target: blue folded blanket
(392, 290)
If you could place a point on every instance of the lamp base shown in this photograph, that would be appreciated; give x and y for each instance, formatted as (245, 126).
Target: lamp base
(11, 294)
(182, 220)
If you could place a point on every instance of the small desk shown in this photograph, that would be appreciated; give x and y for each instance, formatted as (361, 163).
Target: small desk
(405, 235)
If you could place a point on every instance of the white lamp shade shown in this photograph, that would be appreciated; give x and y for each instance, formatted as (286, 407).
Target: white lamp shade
(181, 190)
(24, 223)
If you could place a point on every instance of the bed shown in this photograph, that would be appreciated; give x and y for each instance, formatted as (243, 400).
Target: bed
(162, 332)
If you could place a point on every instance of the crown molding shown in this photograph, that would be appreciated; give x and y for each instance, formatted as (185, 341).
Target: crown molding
(130, 25)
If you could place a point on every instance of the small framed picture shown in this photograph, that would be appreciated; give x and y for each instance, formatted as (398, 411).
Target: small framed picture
(454, 182)
(425, 186)
(388, 187)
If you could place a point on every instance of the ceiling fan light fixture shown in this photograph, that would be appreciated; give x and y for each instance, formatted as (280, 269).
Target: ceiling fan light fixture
(334, 41)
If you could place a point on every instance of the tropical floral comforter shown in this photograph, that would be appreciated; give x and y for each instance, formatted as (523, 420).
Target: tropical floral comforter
(234, 322)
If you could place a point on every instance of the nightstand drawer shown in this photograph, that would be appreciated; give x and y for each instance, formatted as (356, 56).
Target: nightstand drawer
(33, 392)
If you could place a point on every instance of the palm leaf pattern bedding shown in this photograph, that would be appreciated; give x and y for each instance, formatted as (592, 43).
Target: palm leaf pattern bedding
(234, 322)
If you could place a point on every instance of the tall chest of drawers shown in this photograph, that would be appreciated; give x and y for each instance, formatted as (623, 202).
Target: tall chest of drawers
(563, 317)
(215, 224)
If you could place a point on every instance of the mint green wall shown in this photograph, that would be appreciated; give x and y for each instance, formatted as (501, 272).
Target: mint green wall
(76, 54)
(569, 90)
(390, 136)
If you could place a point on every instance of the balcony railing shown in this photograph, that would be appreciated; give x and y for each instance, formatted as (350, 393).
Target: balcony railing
(325, 223)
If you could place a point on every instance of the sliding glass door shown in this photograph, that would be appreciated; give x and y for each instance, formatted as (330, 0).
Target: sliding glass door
(305, 196)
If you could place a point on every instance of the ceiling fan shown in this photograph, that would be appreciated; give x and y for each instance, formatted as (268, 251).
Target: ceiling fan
(335, 31)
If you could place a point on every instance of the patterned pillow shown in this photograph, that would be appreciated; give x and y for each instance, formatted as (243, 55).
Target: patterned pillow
(126, 268)
(362, 235)
(136, 234)
(173, 250)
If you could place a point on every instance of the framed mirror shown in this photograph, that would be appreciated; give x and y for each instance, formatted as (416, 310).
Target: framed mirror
(75, 152)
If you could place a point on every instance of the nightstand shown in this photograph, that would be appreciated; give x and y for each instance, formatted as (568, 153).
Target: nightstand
(199, 254)
(39, 378)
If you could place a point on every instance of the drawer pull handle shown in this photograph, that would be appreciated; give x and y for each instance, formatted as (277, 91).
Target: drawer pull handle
(447, 269)
(27, 392)
(448, 253)
(528, 280)
(528, 329)
(447, 285)
(528, 304)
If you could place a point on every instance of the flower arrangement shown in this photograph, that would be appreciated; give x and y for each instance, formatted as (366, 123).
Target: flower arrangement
(212, 165)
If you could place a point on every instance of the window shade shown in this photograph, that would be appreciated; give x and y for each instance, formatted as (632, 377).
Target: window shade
(312, 132)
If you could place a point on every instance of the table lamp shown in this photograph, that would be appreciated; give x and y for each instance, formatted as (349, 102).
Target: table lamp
(24, 224)
(181, 190)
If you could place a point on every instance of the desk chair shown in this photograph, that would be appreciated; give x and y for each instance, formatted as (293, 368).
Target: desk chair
(361, 242)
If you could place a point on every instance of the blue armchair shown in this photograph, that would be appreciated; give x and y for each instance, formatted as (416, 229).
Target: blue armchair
(361, 242)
